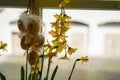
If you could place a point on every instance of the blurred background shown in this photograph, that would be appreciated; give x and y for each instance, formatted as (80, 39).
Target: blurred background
(96, 33)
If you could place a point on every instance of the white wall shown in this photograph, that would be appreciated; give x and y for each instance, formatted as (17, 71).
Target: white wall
(6, 29)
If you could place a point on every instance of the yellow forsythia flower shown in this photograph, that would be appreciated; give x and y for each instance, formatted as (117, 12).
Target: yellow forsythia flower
(3, 46)
(71, 50)
(63, 3)
(53, 33)
(66, 1)
(67, 24)
(61, 47)
(84, 59)
(36, 68)
(58, 17)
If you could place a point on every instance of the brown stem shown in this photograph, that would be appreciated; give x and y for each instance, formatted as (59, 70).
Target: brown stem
(72, 70)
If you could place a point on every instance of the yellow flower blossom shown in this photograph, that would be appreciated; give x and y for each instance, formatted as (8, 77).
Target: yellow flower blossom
(53, 33)
(84, 59)
(66, 1)
(60, 48)
(71, 50)
(61, 37)
(36, 68)
(47, 47)
(67, 24)
(67, 17)
(3, 46)
(53, 24)
(64, 30)
(56, 42)
(62, 18)
(62, 4)
(58, 29)
(58, 17)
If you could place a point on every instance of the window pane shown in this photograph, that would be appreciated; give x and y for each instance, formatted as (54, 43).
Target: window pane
(8, 20)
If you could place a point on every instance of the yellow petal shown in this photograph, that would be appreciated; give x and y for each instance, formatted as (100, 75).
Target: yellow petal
(64, 58)
(36, 71)
(58, 29)
(62, 37)
(56, 42)
(67, 24)
(39, 66)
(33, 72)
(71, 50)
(33, 66)
(61, 47)
(62, 4)
(3, 46)
(53, 24)
(66, 1)
(53, 33)
(63, 31)
(67, 17)
(57, 16)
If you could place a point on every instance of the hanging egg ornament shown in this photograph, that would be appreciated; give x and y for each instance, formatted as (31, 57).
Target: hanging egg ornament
(21, 26)
(22, 43)
(29, 39)
(32, 57)
(33, 25)
(38, 41)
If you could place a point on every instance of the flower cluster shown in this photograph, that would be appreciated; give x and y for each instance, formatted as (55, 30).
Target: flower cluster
(58, 32)
(31, 39)
(59, 44)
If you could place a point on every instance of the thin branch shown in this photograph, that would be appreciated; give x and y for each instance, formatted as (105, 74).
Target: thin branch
(72, 70)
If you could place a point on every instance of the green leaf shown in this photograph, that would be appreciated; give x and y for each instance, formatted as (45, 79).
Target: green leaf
(30, 77)
(54, 73)
(22, 73)
(2, 77)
